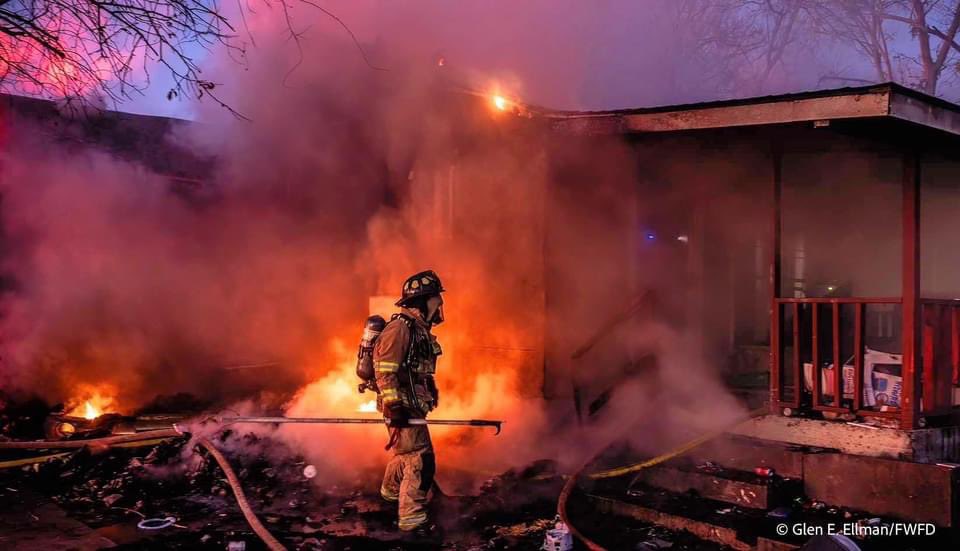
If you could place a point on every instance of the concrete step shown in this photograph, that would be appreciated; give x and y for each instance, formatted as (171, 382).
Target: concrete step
(735, 527)
(744, 453)
(744, 489)
(743, 528)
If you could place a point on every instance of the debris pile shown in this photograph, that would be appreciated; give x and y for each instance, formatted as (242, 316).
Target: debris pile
(172, 495)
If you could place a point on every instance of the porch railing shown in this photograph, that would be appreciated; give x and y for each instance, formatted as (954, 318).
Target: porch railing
(815, 342)
(940, 355)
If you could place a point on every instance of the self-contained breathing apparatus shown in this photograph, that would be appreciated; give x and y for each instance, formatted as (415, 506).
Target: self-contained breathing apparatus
(423, 393)
(371, 332)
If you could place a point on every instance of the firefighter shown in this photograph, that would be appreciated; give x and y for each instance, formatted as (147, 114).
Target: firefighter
(405, 360)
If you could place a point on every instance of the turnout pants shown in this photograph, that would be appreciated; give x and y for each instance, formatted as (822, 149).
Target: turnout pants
(409, 475)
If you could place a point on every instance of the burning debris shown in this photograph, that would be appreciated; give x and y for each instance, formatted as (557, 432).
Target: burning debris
(169, 493)
(580, 390)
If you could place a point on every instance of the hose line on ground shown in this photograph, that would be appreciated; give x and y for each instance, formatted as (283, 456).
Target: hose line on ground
(153, 436)
(265, 535)
(626, 469)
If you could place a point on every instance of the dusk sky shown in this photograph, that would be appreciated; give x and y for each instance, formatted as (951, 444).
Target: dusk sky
(566, 55)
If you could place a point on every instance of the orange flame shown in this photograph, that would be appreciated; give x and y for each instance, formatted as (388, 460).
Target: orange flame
(90, 411)
(368, 407)
(94, 402)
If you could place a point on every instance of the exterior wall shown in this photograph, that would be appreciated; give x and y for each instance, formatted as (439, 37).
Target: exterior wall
(939, 226)
(690, 227)
(841, 236)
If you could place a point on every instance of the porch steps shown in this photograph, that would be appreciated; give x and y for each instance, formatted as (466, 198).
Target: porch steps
(710, 520)
(724, 503)
(710, 481)
(745, 454)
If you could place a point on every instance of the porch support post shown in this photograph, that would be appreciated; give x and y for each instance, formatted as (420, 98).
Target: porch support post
(775, 320)
(910, 399)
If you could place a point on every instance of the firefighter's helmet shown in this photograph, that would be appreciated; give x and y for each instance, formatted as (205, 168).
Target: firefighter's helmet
(423, 284)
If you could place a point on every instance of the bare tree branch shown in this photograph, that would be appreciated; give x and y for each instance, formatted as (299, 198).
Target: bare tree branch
(72, 48)
(911, 41)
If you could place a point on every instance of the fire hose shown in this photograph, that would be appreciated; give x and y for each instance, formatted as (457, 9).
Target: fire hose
(152, 435)
(258, 527)
(626, 469)
(156, 435)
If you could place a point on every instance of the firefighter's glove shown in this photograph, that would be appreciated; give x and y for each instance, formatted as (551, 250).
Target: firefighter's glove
(396, 414)
(434, 392)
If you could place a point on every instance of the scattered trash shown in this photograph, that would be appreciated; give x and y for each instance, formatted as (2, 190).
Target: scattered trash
(764, 471)
(818, 505)
(635, 492)
(709, 466)
(726, 511)
(780, 513)
(834, 541)
(236, 545)
(525, 529)
(654, 543)
(111, 499)
(869, 522)
(558, 538)
(309, 471)
(156, 523)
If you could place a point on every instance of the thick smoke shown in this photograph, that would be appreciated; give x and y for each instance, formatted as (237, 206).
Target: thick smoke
(341, 181)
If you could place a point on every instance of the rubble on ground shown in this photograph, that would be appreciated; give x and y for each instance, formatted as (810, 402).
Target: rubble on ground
(183, 501)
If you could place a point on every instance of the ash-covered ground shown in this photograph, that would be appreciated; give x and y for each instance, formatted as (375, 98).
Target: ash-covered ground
(89, 500)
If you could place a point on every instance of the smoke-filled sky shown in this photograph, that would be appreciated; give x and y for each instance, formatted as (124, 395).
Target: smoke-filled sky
(343, 181)
(560, 54)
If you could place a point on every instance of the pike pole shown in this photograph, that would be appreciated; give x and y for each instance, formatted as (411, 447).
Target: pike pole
(361, 421)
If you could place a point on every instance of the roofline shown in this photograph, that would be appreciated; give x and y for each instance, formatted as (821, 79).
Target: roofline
(888, 100)
(82, 108)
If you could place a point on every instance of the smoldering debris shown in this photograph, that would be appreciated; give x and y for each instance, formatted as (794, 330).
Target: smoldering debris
(114, 491)
(168, 493)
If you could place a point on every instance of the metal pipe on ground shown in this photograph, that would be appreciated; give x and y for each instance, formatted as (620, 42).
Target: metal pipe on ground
(361, 421)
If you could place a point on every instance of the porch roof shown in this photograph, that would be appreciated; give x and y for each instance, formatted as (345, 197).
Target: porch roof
(889, 100)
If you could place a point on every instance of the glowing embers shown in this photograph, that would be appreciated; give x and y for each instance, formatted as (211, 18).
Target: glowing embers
(91, 404)
(500, 102)
(90, 411)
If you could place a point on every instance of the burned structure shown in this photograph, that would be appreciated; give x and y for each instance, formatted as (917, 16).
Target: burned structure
(651, 276)
(782, 236)
(813, 233)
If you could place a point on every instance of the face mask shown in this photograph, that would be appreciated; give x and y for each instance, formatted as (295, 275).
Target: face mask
(437, 318)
